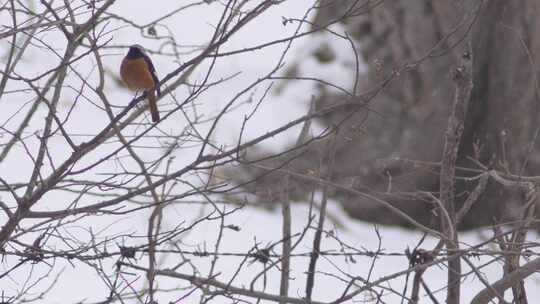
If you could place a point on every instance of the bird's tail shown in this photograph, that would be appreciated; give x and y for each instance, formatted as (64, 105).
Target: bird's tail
(153, 105)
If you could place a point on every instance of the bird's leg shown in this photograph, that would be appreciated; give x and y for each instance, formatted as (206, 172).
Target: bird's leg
(134, 99)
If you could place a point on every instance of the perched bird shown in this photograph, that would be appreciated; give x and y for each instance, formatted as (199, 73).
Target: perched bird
(138, 73)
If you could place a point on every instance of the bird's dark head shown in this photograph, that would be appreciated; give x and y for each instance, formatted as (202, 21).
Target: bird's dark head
(135, 51)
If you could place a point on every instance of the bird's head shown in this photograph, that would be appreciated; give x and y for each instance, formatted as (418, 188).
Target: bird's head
(136, 51)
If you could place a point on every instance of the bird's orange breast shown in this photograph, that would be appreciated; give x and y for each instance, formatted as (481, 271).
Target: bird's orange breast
(136, 74)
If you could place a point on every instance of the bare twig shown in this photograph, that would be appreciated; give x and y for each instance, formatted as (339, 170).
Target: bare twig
(463, 78)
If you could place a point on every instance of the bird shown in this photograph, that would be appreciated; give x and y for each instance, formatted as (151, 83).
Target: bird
(138, 73)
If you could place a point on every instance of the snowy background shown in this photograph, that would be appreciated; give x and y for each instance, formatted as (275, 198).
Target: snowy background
(80, 282)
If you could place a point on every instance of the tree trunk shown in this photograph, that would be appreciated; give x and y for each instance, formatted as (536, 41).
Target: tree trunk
(393, 147)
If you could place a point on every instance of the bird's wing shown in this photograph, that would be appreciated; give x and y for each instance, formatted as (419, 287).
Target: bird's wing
(153, 72)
